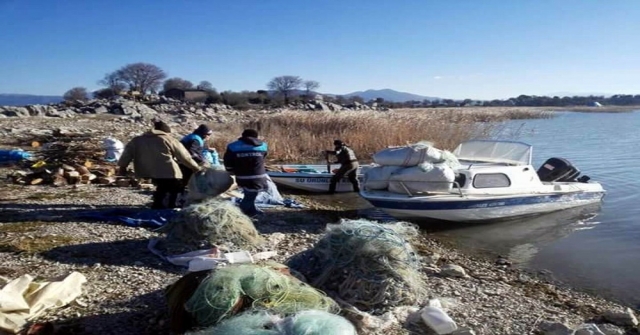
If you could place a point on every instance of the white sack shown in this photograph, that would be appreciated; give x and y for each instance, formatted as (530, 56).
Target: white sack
(377, 178)
(423, 178)
(114, 149)
(411, 155)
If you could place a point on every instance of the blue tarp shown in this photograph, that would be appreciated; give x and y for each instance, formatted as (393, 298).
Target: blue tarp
(11, 156)
(148, 218)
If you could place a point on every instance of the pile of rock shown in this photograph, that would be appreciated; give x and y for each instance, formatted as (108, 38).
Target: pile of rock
(321, 105)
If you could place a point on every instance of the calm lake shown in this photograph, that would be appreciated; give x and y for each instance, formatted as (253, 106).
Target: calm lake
(598, 248)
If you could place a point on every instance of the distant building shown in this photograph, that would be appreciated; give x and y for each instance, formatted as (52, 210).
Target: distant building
(192, 95)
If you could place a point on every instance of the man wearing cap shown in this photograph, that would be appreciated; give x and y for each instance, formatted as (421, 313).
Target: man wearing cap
(245, 159)
(348, 165)
(194, 143)
(155, 155)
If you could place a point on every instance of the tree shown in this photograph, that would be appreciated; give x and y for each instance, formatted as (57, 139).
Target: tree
(113, 82)
(104, 93)
(76, 93)
(205, 86)
(310, 85)
(141, 77)
(285, 85)
(176, 82)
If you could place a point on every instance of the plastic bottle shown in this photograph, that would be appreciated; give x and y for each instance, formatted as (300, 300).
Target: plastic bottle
(434, 317)
(215, 158)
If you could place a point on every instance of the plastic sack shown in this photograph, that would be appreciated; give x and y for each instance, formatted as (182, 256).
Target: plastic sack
(317, 323)
(423, 178)
(211, 156)
(377, 178)
(10, 156)
(114, 149)
(411, 155)
(213, 182)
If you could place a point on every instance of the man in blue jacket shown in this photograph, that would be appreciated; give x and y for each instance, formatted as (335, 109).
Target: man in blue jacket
(245, 159)
(194, 143)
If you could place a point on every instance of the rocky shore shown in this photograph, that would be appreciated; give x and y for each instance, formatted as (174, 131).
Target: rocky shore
(42, 234)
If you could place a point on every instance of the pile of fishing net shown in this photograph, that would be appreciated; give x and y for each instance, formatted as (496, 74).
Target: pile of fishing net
(366, 264)
(311, 322)
(213, 222)
(230, 290)
(209, 184)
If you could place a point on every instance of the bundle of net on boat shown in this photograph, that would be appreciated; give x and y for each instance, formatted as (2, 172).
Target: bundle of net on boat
(230, 290)
(311, 322)
(213, 222)
(366, 264)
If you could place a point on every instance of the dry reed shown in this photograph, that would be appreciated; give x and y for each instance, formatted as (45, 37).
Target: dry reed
(298, 136)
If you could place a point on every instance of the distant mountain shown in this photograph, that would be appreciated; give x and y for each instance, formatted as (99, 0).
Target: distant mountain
(389, 95)
(27, 99)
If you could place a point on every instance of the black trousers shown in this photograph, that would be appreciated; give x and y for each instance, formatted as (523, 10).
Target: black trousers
(186, 175)
(166, 187)
(350, 170)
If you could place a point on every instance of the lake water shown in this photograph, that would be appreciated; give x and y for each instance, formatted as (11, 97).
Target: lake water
(597, 248)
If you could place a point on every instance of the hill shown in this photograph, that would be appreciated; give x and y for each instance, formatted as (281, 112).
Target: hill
(27, 99)
(389, 95)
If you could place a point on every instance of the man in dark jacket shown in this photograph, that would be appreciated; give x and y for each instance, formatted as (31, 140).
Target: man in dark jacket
(194, 143)
(348, 165)
(245, 159)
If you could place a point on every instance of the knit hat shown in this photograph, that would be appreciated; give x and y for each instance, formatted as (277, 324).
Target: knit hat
(338, 143)
(203, 130)
(250, 133)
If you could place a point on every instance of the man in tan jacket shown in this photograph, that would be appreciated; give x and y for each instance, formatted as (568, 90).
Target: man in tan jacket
(156, 155)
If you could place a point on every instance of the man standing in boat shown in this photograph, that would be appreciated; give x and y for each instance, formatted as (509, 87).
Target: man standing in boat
(348, 165)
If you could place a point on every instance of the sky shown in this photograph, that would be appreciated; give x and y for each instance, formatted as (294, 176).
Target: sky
(477, 49)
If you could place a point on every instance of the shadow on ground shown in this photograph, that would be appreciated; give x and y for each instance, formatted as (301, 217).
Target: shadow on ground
(119, 253)
(145, 314)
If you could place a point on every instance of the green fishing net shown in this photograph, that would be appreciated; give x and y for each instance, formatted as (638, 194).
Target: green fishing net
(310, 322)
(213, 222)
(366, 264)
(232, 289)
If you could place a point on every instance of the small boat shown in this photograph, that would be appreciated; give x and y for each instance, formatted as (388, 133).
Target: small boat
(310, 178)
(495, 181)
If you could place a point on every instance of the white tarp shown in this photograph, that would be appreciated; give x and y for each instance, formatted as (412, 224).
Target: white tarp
(509, 152)
(22, 299)
(410, 155)
(423, 178)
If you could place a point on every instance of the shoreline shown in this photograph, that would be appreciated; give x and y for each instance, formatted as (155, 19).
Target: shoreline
(124, 292)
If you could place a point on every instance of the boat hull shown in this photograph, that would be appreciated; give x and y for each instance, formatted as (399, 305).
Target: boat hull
(317, 181)
(477, 209)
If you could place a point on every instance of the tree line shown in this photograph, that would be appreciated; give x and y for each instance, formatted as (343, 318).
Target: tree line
(146, 78)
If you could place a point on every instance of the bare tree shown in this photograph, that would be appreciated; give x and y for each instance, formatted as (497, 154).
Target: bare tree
(176, 82)
(309, 86)
(113, 82)
(141, 77)
(205, 86)
(285, 85)
(76, 93)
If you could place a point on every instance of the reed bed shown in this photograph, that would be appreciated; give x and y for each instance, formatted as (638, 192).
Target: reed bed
(297, 136)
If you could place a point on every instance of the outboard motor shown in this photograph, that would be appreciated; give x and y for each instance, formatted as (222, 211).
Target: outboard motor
(558, 169)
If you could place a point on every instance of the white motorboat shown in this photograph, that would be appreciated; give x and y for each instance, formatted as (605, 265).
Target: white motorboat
(495, 181)
(311, 178)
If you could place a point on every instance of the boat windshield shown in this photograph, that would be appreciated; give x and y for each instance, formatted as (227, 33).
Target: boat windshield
(508, 152)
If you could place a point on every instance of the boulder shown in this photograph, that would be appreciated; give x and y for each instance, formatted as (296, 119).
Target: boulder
(588, 329)
(609, 329)
(624, 318)
(452, 270)
(554, 328)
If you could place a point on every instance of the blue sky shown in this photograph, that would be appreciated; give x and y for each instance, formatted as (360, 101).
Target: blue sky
(481, 49)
